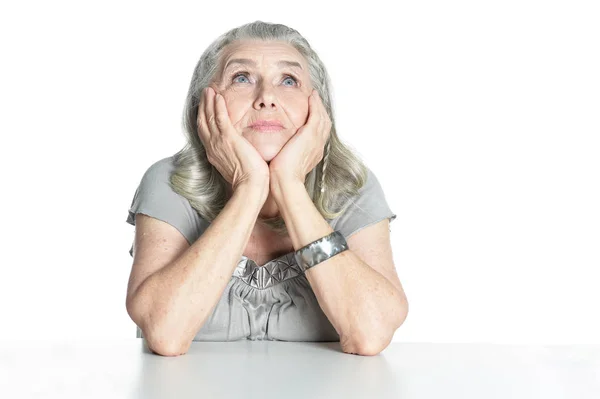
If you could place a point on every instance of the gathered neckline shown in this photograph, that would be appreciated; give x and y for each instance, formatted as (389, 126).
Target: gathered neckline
(271, 261)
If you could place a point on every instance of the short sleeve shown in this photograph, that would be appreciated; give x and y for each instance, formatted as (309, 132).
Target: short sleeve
(155, 197)
(368, 207)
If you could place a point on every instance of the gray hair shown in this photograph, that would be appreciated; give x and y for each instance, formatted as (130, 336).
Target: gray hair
(196, 179)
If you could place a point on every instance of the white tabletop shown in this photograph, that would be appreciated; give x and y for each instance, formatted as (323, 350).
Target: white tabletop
(112, 369)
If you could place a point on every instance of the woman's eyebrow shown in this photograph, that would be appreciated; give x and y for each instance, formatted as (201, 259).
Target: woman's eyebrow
(249, 62)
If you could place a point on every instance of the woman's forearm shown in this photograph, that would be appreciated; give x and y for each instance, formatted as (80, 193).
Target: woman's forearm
(363, 306)
(180, 297)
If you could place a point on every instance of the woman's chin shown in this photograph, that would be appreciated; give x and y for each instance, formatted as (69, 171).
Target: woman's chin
(268, 153)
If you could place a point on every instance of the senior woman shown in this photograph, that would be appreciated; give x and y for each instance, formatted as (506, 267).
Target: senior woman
(265, 226)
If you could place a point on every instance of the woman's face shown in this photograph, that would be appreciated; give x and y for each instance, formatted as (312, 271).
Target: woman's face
(260, 87)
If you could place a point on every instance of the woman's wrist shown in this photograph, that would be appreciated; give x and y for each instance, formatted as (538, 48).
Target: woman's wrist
(254, 188)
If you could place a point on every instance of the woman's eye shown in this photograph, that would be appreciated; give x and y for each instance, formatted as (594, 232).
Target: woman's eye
(292, 78)
(244, 75)
(239, 74)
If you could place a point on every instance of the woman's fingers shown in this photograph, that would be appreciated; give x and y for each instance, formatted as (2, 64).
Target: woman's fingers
(315, 112)
(210, 109)
(325, 126)
(222, 117)
(203, 130)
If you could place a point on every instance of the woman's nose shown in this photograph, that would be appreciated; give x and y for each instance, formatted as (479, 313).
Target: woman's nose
(265, 96)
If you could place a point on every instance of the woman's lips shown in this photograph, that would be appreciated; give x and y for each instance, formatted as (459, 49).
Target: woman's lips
(266, 128)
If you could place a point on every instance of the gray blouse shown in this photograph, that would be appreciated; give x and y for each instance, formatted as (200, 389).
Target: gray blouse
(270, 302)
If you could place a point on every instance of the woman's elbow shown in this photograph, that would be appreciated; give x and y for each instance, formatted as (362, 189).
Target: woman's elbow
(167, 347)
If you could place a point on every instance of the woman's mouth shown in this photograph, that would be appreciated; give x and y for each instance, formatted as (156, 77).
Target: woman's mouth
(266, 128)
(265, 125)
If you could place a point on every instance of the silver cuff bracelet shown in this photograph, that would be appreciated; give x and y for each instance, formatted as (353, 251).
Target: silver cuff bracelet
(320, 250)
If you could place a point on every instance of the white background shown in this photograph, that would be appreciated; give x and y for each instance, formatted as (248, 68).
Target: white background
(480, 119)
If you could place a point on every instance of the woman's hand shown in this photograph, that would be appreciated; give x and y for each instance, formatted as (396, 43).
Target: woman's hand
(305, 149)
(226, 148)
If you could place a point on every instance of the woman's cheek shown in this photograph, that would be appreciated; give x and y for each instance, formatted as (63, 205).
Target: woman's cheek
(236, 113)
(298, 111)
